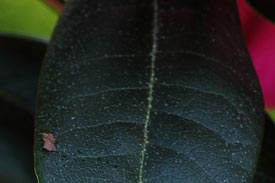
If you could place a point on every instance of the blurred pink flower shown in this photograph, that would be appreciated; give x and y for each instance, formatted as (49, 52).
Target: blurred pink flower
(259, 34)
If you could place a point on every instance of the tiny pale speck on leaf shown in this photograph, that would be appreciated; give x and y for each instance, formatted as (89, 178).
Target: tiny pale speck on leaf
(49, 141)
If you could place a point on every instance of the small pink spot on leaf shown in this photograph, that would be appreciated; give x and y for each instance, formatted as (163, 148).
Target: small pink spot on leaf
(49, 141)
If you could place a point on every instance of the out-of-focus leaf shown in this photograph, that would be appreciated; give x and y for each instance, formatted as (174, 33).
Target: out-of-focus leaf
(148, 92)
(265, 8)
(16, 142)
(57, 5)
(266, 164)
(271, 113)
(20, 60)
(259, 35)
(27, 17)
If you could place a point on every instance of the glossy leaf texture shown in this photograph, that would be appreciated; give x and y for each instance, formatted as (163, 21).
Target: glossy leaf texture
(264, 7)
(20, 62)
(148, 92)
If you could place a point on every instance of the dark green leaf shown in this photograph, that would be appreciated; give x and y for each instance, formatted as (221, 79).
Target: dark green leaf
(148, 91)
(16, 144)
(20, 60)
(266, 164)
(265, 8)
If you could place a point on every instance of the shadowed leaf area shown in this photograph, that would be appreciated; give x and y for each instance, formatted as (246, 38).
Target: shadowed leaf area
(20, 61)
(266, 164)
(142, 91)
(265, 8)
(16, 144)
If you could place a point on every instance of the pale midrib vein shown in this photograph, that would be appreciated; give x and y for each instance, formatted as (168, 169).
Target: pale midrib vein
(151, 85)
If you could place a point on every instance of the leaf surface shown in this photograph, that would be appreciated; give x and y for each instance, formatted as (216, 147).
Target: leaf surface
(148, 91)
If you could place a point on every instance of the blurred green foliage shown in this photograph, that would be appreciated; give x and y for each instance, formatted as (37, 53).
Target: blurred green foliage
(27, 17)
(271, 113)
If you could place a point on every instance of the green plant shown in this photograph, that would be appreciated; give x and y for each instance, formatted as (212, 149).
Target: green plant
(148, 91)
(152, 91)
